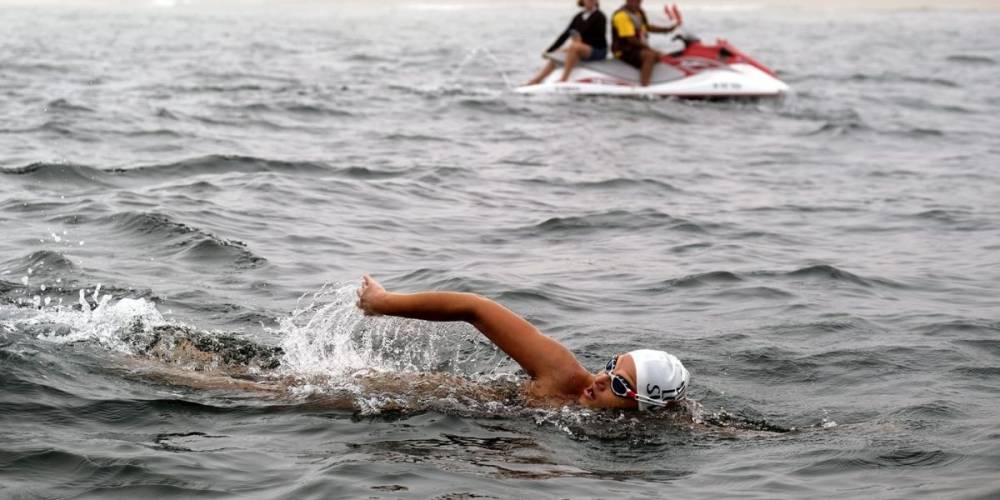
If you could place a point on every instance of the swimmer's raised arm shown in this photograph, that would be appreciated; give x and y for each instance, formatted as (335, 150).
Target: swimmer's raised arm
(540, 356)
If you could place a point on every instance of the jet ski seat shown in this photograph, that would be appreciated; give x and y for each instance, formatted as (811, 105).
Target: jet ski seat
(617, 69)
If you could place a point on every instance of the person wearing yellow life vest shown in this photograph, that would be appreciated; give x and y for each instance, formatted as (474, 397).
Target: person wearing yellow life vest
(629, 31)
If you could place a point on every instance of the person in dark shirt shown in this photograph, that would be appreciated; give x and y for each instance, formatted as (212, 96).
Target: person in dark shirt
(629, 32)
(587, 33)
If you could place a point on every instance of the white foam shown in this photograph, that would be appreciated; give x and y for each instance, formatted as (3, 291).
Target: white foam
(329, 336)
(107, 323)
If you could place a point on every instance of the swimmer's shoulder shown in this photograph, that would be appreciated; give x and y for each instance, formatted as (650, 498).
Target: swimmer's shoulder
(554, 391)
(535, 397)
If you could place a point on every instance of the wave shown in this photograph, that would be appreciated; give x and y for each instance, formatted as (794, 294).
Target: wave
(94, 475)
(701, 279)
(978, 373)
(989, 346)
(223, 164)
(293, 107)
(831, 273)
(58, 127)
(880, 458)
(773, 364)
(919, 133)
(612, 220)
(8, 288)
(43, 277)
(42, 263)
(205, 165)
(438, 91)
(76, 175)
(753, 293)
(806, 209)
(368, 57)
(971, 59)
(419, 138)
(193, 88)
(156, 133)
(839, 128)
(182, 240)
(498, 107)
(613, 184)
(892, 77)
(824, 272)
(937, 410)
(958, 220)
(22, 67)
(859, 365)
(928, 104)
(63, 105)
(829, 326)
(242, 122)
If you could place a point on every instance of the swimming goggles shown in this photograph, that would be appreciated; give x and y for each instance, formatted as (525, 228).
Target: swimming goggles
(622, 388)
(619, 386)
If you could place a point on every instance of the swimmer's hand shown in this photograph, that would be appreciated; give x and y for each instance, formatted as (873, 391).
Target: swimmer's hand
(369, 295)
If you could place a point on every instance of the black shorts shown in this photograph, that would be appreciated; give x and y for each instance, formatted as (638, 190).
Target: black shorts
(632, 57)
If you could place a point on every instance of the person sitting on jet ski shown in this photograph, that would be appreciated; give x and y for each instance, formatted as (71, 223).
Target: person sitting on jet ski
(588, 34)
(629, 31)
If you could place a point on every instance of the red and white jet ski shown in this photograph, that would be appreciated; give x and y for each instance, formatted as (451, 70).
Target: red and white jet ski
(697, 71)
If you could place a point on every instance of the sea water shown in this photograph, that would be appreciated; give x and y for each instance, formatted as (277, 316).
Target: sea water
(825, 265)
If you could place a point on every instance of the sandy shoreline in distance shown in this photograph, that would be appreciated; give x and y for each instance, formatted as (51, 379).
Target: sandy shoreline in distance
(650, 4)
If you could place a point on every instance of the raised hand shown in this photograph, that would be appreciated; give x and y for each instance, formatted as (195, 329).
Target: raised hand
(674, 14)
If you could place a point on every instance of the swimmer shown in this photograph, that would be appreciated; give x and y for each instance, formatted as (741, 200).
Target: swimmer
(643, 379)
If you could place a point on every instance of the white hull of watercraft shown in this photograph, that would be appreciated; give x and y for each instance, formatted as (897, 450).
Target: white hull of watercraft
(730, 81)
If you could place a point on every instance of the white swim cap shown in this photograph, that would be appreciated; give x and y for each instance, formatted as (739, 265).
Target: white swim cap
(660, 378)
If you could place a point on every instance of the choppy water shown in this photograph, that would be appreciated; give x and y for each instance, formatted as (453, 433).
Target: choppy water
(825, 265)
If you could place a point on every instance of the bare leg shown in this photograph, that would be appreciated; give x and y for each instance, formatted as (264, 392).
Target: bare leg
(649, 58)
(550, 66)
(576, 51)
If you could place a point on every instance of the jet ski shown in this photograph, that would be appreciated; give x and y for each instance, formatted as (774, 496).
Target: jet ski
(699, 70)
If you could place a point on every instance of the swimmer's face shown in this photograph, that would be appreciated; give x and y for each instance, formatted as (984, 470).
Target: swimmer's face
(599, 394)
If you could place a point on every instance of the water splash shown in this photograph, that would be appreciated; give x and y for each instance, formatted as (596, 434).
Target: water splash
(98, 318)
(477, 53)
(327, 335)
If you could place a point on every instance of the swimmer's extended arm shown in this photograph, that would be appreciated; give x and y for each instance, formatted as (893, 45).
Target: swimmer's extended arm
(540, 356)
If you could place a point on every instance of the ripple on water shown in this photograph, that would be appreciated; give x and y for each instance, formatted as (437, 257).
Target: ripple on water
(928, 415)
(971, 59)
(963, 329)
(222, 164)
(96, 475)
(827, 272)
(44, 263)
(64, 174)
(988, 346)
(893, 456)
(610, 220)
(182, 240)
(775, 365)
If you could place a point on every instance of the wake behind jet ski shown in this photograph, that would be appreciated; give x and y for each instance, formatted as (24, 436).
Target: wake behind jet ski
(699, 70)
